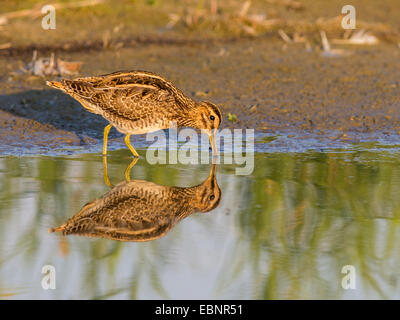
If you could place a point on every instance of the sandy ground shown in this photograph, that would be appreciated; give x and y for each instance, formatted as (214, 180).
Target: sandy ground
(270, 86)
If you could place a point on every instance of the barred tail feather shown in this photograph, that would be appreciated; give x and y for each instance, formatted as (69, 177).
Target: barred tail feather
(79, 90)
(56, 84)
(57, 229)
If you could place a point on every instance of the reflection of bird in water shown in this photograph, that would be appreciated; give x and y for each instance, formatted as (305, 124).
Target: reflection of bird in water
(139, 210)
(136, 102)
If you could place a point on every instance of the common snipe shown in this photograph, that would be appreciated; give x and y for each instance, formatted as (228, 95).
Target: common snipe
(136, 102)
(139, 210)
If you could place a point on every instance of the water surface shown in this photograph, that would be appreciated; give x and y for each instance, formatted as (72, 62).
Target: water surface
(283, 232)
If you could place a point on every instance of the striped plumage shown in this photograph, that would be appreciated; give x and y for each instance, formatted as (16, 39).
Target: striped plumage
(136, 102)
(139, 210)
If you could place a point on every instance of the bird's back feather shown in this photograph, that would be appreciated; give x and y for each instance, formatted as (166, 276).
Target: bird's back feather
(127, 95)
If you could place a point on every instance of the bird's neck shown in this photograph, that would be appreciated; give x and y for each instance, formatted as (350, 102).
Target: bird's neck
(186, 119)
(190, 116)
(189, 198)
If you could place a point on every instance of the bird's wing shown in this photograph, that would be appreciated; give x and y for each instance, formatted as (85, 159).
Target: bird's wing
(134, 102)
(137, 80)
(131, 211)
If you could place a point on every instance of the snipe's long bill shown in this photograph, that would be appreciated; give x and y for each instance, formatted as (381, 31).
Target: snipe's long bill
(140, 210)
(137, 102)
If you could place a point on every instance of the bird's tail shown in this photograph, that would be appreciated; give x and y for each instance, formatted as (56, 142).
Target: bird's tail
(56, 84)
(57, 229)
(78, 90)
(75, 88)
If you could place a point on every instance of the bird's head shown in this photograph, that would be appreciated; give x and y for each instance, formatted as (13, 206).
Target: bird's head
(208, 194)
(206, 116)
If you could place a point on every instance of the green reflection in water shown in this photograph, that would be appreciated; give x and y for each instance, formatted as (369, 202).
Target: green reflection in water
(284, 232)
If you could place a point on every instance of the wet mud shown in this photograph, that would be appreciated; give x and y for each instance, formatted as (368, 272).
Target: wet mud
(272, 87)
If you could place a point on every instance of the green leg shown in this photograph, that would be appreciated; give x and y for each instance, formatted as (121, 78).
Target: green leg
(128, 143)
(105, 140)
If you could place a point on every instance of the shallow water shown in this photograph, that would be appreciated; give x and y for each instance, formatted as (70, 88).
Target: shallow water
(285, 231)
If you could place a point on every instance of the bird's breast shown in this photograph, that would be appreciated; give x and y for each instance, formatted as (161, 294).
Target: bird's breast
(140, 126)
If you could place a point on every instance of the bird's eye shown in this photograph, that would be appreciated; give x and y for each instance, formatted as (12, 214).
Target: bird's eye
(212, 197)
(212, 118)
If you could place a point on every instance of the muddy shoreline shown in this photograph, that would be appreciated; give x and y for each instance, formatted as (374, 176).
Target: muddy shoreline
(270, 86)
(229, 52)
